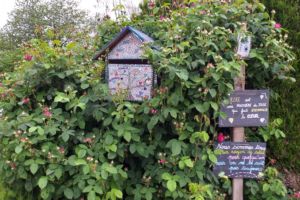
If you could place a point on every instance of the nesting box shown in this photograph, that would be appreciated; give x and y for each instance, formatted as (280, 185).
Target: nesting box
(127, 72)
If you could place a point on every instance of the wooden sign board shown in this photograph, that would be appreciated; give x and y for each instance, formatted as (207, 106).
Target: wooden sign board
(246, 108)
(240, 159)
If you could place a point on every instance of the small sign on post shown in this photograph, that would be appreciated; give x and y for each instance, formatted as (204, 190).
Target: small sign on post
(246, 108)
(240, 159)
(244, 46)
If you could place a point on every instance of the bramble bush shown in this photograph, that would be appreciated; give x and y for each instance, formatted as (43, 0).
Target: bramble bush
(64, 137)
(286, 103)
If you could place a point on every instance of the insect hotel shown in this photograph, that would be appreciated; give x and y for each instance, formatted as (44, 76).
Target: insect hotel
(127, 72)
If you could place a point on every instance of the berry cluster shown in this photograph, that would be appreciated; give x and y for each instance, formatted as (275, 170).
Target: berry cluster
(46, 112)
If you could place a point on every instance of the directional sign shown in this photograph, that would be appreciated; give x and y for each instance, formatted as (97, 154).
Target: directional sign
(240, 159)
(246, 108)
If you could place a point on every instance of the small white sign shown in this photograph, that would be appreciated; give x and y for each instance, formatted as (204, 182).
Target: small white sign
(244, 46)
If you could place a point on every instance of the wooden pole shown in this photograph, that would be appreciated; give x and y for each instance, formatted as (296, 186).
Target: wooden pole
(239, 133)
(239, 136)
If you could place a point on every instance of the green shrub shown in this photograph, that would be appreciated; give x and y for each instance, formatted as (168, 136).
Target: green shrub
(286, 104)
(8, 194)
(64, 137)
(271, 187)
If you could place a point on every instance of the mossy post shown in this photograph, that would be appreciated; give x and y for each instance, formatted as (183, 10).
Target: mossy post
(239, 132)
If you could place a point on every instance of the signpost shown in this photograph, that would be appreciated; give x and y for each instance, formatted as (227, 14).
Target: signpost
(246, 108)
(240, 159)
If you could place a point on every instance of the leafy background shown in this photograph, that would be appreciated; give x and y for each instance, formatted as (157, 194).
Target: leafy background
(64, 137)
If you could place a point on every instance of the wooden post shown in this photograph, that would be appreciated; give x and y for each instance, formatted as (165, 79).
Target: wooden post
(239, 134)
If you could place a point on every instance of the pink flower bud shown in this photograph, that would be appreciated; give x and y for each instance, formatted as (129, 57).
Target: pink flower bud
(88, 140)
(61, 150)
(277, 26)
(26, 100)
(162, 161)
(297, 195)
(162, 18)
(46, 112)
(151, 4)
(153, 111)
(221, 137)
(27, 57)
(202, 12)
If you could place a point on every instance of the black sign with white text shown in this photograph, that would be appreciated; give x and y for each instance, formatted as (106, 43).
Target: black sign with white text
(240, 159)
(246, 108)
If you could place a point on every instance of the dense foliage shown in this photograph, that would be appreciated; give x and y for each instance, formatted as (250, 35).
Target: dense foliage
(286, 105)
(64, 137)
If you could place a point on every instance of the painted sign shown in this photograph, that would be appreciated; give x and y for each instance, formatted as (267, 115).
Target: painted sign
(244, 46)
(246, 108)
(240, 159)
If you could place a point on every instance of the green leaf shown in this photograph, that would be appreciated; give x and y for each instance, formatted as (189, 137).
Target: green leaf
(112, 170)
(28, 162)
(204, 137)
(107, 121)
(80, 162)
(152, 122)
(58, 172)
(113, 147)
(176, 148)
(127, 136)
(43, 181)
(68, 193)
(216, 76)
(81, 153)
(47, 66)
(173, 113)
(32, 129)
(41, 131)
(18, 149)
(70, 45)
(181, 164)
(148, 195)
(117, 193)
(183, 74)
(166, 176)
(202, 108)
(87, 189)
(155, 10)
(171, 185)
(81, 123)
(86, 169)
(132, 148)
(65, 136)
(33, 168)
(189, 163)
(91, 195)
(266, 187)
(45, 194)
(84, 86)
(212, 92)
(61, 97)
(212, 158)
(214, 106)
(108, 140)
